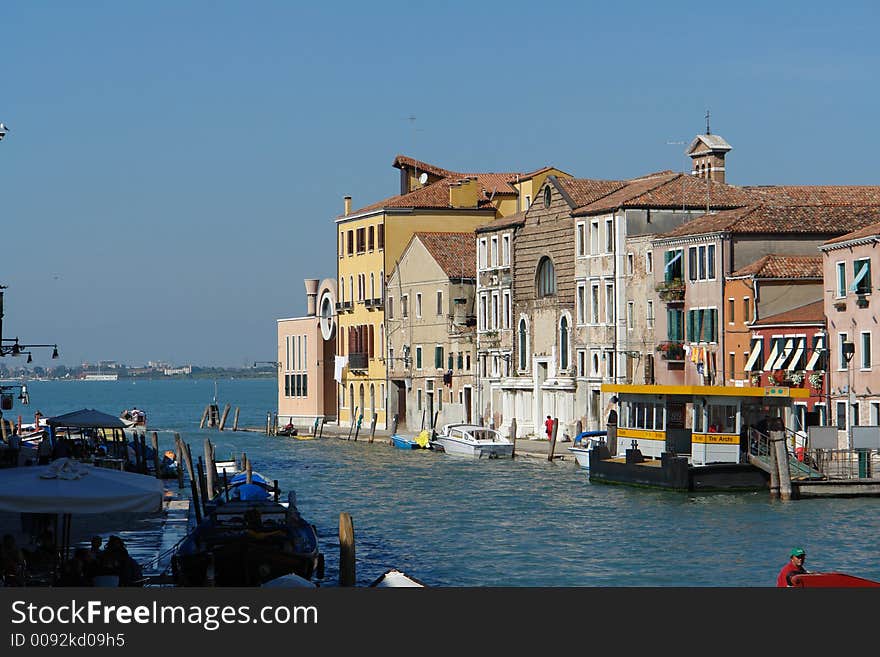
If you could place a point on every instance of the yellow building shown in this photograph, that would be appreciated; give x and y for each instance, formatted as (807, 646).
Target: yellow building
(369, 243)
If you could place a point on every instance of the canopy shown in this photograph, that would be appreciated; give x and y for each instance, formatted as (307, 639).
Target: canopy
(86, 418)
(77, 488)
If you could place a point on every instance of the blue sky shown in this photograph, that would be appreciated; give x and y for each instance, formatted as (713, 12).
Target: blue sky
(173, 168)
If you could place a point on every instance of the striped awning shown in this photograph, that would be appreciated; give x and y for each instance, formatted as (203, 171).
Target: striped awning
(757, 345)
(817, 351)
(798, 352)
(771, 359)
(784, 354)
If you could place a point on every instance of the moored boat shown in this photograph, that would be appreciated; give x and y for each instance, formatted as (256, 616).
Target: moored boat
(473, 440)
(248, 538)
(831, 580)
(394, 578)
(583, 443)
(422, 441)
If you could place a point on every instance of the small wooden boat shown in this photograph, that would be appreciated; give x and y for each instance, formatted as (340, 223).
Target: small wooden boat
(248, 538)
(134, 419)
(831, 580)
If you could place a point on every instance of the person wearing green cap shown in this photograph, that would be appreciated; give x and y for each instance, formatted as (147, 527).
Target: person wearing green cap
(795, 566)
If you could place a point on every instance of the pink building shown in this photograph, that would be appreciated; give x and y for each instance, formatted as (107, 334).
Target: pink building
(850, 263)
(306, 348)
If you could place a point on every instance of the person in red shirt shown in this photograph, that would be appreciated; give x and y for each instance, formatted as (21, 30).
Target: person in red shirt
(795, 566)
(548, 426)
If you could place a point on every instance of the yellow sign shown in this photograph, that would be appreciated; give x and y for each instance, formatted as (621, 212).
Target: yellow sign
(644, 434)
(776, 392)
(715, 438)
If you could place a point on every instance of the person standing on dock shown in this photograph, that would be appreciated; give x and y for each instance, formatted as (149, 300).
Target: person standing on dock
(795, 566)
(548, 427)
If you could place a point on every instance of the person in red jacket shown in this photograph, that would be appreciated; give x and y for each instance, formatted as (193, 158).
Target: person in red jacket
(548, 427)
(795, 566)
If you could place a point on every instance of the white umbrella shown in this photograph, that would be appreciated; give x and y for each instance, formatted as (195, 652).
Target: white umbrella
(67, 487)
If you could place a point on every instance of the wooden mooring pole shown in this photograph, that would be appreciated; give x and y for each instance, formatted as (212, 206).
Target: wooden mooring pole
(223, 419)
(154, 442)
(778, 438)
(178, 448)
(204, 417)
(346, 551)
(373, 426)
(235, 420)
(513, 437)
(209, 467)
(553, 439)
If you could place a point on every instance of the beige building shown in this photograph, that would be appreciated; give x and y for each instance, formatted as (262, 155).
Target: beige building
(306, 348)
(429, 315)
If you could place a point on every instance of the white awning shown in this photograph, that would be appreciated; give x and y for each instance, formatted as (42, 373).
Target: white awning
(784, 354)
(798, 352)
(768, 365)
(753, 357)
(818, 350)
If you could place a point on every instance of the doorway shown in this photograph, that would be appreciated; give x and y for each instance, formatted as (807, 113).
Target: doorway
(467, 404)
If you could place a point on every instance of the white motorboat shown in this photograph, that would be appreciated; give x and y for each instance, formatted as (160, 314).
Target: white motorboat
(394, 578)
(583, 443)
(473, 440)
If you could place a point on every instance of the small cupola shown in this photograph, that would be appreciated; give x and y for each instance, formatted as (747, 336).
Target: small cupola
(707, 153)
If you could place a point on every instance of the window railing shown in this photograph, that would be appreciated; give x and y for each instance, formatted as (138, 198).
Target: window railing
(672, 290)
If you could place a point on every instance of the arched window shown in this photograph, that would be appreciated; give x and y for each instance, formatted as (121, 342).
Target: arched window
(545, 280)
(563, 343)
(547, 196)
(372, 400)
(351, 397)
(523, 345)
(372, 285)
(351, 289)
(341, 289)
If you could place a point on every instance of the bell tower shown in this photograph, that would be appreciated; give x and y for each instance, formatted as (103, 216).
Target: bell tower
(707, 153)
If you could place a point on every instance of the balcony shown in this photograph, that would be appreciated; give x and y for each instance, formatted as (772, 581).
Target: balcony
(671, 291)
(358, 361)
(862, 301)
(671, 350)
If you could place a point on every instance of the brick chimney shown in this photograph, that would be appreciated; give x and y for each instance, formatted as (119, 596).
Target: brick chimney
(347, 204)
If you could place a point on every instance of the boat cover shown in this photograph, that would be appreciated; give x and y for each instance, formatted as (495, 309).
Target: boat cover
(86, 418)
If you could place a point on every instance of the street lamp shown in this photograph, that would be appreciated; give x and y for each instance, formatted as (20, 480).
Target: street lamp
(12, 346)
(848, 351)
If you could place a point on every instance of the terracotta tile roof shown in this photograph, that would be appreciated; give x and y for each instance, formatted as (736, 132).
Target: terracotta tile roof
(456, 253)
(811, 313)
(584, 191)
(827, 195)
(402, 161)
(518, 219)
(773, 219)
(868, 231)
(435, 195)
(776, 265)
(669, 190)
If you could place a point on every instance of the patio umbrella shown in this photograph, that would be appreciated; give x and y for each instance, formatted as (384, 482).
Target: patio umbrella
(69, 487)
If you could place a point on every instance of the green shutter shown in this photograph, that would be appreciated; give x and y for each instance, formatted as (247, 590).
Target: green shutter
(710, 325)
(691, 330)
(438, 357)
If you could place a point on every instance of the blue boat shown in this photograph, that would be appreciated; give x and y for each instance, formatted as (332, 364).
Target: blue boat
(422, 441)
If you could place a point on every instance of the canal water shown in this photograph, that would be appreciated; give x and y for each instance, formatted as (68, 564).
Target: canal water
(527, 522)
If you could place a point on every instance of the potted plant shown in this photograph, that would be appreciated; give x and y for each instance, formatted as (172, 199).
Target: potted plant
(671, 290)
(816, 379)
(862, 301)
(795, 378)
(778, 377)
(756, 379)
(840, 304)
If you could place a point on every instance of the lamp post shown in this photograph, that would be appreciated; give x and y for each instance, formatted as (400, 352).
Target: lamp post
(849, 350)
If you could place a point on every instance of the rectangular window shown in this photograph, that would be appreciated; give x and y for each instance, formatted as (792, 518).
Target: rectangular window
(731, 365)
(581, 301)
(438, 357)
(747, 310)
(630, 315)
(404, 306)
(341, 244)
(673, 267)
(841, 280)
(581, 239)
(361, 240)
(854, 414)
(419, 357)
(439, 303)
(507, 309)
(380, 236)
(389, 307)
(460, 361)
(710, 262)
(649, 262)
(481, 254)
(875, 413)
(841, 359)
(483, 312)
(418, 304)
(305, 389)
(675, 325)
(650, 314)
(495, 322)
(505, 249)
(630, 264)
(692, 263)
(287, 385)
(371, 238)
(609, 303)
(350, 249)
(866, 350)
(841, 415)
(494, 255)
(450, 361)
(701, 263)
(609, 235)
(861, 277)
(731, 310)
(594, 237)
(467, 362)
(582, 362)
(594, 303)
(419, 398)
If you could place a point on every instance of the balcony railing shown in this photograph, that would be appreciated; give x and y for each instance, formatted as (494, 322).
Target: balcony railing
(671, 291)
(671, 350)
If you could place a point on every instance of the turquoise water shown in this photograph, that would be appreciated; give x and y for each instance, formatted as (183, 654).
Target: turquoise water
(526, 522)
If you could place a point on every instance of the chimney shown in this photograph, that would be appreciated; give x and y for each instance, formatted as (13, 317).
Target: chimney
(347, 201)
(312, 295)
